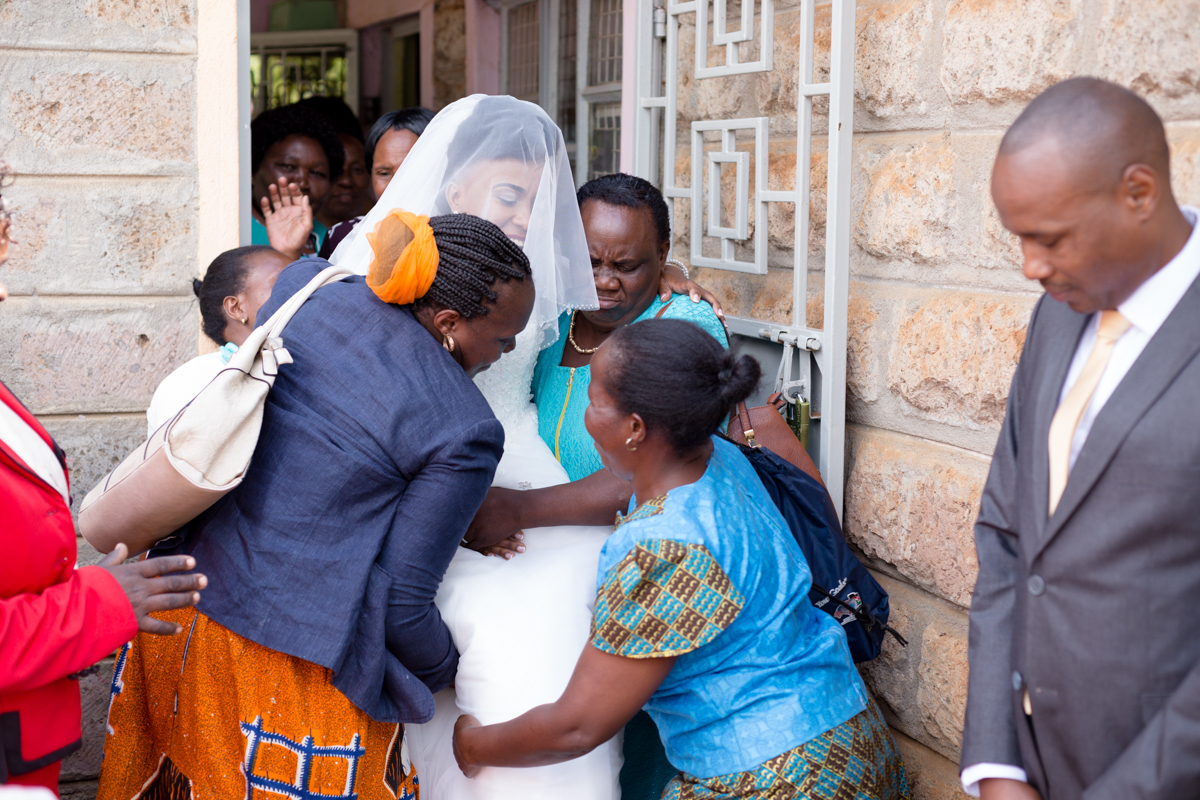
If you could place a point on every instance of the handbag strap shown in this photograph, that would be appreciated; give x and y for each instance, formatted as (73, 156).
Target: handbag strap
(747, 428)
(260, 337)
(742, 413)
(283, 315)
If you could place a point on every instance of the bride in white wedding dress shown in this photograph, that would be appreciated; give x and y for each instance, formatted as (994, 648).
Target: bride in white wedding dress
(519, 624)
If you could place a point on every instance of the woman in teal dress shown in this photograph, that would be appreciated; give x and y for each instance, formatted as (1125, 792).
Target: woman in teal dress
(295, 155)
(560, 392)
(629, 236)
(628, 231)
(702, 615)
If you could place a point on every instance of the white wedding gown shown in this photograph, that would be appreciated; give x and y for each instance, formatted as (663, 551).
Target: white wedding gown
(519, 624)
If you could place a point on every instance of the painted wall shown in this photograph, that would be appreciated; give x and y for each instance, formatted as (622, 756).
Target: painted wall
(938, 306)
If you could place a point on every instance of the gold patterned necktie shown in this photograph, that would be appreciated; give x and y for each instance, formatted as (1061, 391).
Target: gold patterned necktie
(1066, 418)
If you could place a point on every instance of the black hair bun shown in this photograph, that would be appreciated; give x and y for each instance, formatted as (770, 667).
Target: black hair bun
(678, 377)
(737, 377)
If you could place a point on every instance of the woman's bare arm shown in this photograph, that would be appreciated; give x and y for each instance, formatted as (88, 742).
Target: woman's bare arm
(604, 693)
(594, 500)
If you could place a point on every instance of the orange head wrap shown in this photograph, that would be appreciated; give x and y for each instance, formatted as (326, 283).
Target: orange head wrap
(404, 258)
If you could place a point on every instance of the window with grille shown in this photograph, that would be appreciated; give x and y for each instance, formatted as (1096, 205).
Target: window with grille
(605, 152)
(602, 94)
(568, 34)
(604, 43)
(579, 86)
(288, 66)
(524, 51)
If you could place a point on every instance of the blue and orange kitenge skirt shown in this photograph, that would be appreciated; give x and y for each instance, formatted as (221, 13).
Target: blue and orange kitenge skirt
(856, 760)
(209, 715)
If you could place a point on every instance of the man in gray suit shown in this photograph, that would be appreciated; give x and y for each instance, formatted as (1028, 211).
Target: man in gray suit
(1085, 622)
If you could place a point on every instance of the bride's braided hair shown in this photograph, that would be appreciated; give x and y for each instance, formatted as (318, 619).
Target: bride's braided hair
(472, 254)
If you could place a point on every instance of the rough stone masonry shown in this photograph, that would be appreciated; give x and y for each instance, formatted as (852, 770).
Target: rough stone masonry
(938, 305)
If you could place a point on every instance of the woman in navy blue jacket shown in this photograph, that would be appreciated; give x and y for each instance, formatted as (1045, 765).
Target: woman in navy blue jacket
(318, 637)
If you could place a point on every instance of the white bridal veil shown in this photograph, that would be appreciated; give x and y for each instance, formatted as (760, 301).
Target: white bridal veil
(504, 160)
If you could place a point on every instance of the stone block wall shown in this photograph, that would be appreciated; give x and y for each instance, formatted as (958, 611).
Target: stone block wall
(938, 305)
(98, 122)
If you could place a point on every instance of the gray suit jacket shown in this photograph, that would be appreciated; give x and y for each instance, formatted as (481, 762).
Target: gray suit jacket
(1097, 609)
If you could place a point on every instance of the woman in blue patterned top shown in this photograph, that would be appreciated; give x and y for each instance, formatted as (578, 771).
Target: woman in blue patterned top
(702, 614)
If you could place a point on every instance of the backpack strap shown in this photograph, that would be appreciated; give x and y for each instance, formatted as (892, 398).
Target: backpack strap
(862, 614)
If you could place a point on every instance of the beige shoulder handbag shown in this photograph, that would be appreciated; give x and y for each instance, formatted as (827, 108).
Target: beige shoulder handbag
(201, 453)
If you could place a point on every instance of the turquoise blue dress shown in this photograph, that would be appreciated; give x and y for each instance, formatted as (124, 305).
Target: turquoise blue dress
(258, 234)
(561, 396)
(561, 393)
(764, 699)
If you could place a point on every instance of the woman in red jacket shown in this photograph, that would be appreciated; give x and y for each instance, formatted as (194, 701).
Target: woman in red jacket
(55, 620)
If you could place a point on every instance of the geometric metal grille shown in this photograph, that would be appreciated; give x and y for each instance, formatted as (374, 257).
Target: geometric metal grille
(280, 76)
(286, 66)
(714, 215)
(740, 163)
(731, 39)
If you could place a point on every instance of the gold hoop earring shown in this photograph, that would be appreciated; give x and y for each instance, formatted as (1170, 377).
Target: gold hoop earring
(628, 442)
(448, 343)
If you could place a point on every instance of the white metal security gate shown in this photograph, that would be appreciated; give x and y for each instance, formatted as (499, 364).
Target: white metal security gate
(654, 135)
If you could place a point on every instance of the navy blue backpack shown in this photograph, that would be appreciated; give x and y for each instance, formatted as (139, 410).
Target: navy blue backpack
(842, 586)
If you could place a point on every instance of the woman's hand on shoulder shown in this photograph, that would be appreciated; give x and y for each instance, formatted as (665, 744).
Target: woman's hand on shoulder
(496, 529)
(675, 282)
(464, 723)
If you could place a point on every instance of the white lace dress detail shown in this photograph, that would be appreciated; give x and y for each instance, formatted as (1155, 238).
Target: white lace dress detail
(508, 388)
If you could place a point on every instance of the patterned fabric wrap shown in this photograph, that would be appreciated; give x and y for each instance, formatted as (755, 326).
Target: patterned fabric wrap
(857, 760)
(212, 716)
(561, 393)
(663, 599)
(712, 576)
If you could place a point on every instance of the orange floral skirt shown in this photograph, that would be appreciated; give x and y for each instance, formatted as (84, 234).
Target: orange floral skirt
(208, 715)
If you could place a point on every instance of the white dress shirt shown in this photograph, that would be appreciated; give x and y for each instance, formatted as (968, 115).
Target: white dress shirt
(1146, 309)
